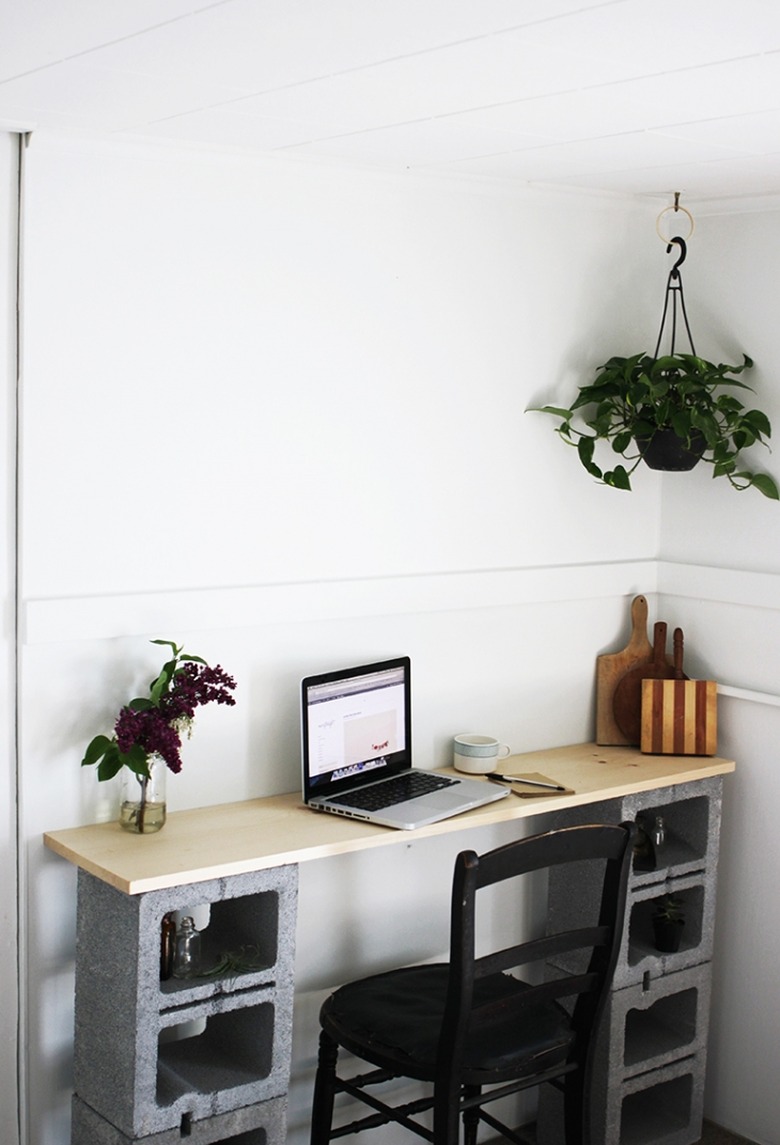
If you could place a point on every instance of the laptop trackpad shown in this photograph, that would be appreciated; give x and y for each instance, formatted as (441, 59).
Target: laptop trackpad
(450, 796)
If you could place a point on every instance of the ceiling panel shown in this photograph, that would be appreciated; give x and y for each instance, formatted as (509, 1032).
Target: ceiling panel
(111, 99)
(718, 180)
(754, 134)
(664, 35)
(722, 88)
(565, 116)
(37, 33)
(218, 127)
(417, 144)
(634, 150)
(630, 96)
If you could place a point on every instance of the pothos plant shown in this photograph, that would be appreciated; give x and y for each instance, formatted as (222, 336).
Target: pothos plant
(153, 724)
(632, 400)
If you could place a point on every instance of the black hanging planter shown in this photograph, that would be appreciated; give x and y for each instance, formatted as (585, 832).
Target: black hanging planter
(669, 453)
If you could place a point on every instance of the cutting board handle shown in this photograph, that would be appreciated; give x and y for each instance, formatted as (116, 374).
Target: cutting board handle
(678, 654)
(659, 643)
(638, 637)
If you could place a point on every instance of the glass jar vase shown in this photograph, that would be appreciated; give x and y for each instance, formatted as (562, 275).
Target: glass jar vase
(142, 802)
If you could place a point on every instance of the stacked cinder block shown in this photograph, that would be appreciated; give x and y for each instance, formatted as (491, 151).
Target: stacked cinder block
(261, 1124)
(651, 1054)
(206, 1058)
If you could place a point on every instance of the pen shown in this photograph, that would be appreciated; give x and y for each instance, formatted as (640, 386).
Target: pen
(530, 782)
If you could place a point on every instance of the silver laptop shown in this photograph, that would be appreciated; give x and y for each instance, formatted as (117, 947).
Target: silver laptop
(356, 734)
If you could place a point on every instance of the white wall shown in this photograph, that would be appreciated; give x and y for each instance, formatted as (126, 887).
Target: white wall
(731, 279)
(218, 352)
(729, 605)
(8, 847)
(276, 412)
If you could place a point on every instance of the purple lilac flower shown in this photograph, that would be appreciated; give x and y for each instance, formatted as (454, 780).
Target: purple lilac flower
(152, 732)
(193, 686)
(155, 729)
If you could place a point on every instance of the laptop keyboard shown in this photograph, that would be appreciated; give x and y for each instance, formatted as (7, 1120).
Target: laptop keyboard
(393, 791)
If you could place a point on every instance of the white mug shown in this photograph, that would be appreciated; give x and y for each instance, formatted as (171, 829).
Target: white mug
(478, 754)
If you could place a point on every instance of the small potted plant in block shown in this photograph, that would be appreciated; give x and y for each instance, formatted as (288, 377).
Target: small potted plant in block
(668, 922)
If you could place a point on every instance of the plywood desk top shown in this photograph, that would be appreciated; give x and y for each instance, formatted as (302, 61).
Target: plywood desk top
(232, 838)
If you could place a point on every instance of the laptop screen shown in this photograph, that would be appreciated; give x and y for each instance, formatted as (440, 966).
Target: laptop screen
(355, 724)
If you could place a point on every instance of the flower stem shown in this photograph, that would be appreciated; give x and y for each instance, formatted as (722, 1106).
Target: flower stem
(142, 804)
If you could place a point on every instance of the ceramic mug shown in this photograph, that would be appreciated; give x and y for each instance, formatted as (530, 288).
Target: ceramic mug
(478, 754)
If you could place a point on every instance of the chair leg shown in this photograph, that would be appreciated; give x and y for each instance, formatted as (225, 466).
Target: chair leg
(471, 1116)
(446, 1113)
(324, 1090)
(574, 1129)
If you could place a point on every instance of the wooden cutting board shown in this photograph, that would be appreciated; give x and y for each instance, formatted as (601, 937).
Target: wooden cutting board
(612, 666)
(627, 701)
(679, 717)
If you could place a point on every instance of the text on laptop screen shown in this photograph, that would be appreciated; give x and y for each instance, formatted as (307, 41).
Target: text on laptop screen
(355, 723)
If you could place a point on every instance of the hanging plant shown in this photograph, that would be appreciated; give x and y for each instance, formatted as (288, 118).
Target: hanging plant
(648, 406)
(637, 403)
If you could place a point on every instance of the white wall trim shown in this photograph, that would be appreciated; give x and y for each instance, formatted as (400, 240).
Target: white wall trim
(729, 586)
(751, 697)
(103, 617)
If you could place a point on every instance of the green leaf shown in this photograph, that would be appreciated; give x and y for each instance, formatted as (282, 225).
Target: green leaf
(168, 644)
(160, 686)
(724, 467)
(109, 767)
(137, 760)
(622, 441)
(681, 424)
(556, 411)
(758, 422)
(766, 485)
(96, 749)
(140, 704)
(618, 478)
(585, 449)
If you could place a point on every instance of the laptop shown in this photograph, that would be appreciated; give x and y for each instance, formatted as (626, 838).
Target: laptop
(356, 734)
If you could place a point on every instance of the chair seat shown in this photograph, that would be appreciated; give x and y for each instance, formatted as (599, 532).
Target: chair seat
(394, 1019)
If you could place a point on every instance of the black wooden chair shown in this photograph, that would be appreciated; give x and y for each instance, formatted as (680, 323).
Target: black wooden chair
(470, 1028)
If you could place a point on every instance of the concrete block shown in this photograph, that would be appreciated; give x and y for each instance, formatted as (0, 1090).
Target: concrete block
(150, 1053)
(647, 1028)
(261, 1124)
(664, 1106)
(651, 1052)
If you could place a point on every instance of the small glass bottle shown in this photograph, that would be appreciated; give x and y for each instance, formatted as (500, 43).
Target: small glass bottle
(186, 953)
(167, 940)
(644, 855)
(659, 833)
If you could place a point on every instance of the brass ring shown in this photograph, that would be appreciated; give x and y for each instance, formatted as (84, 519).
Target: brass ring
(676, 208)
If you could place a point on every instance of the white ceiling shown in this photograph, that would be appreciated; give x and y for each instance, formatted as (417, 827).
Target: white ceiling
(634, 97)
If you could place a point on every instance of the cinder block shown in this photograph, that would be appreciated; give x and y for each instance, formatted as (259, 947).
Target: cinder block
(647, 1028)
(664, 1106)
(134, 1064)
(651, 1053)
(261, 1124)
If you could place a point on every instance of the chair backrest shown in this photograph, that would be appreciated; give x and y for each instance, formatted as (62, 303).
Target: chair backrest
(579, 962)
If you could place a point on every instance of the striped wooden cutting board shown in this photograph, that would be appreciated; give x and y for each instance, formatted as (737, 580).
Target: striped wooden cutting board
(679, 717)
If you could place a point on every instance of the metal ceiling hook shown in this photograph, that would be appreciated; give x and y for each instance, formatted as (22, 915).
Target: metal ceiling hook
(675, 272)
